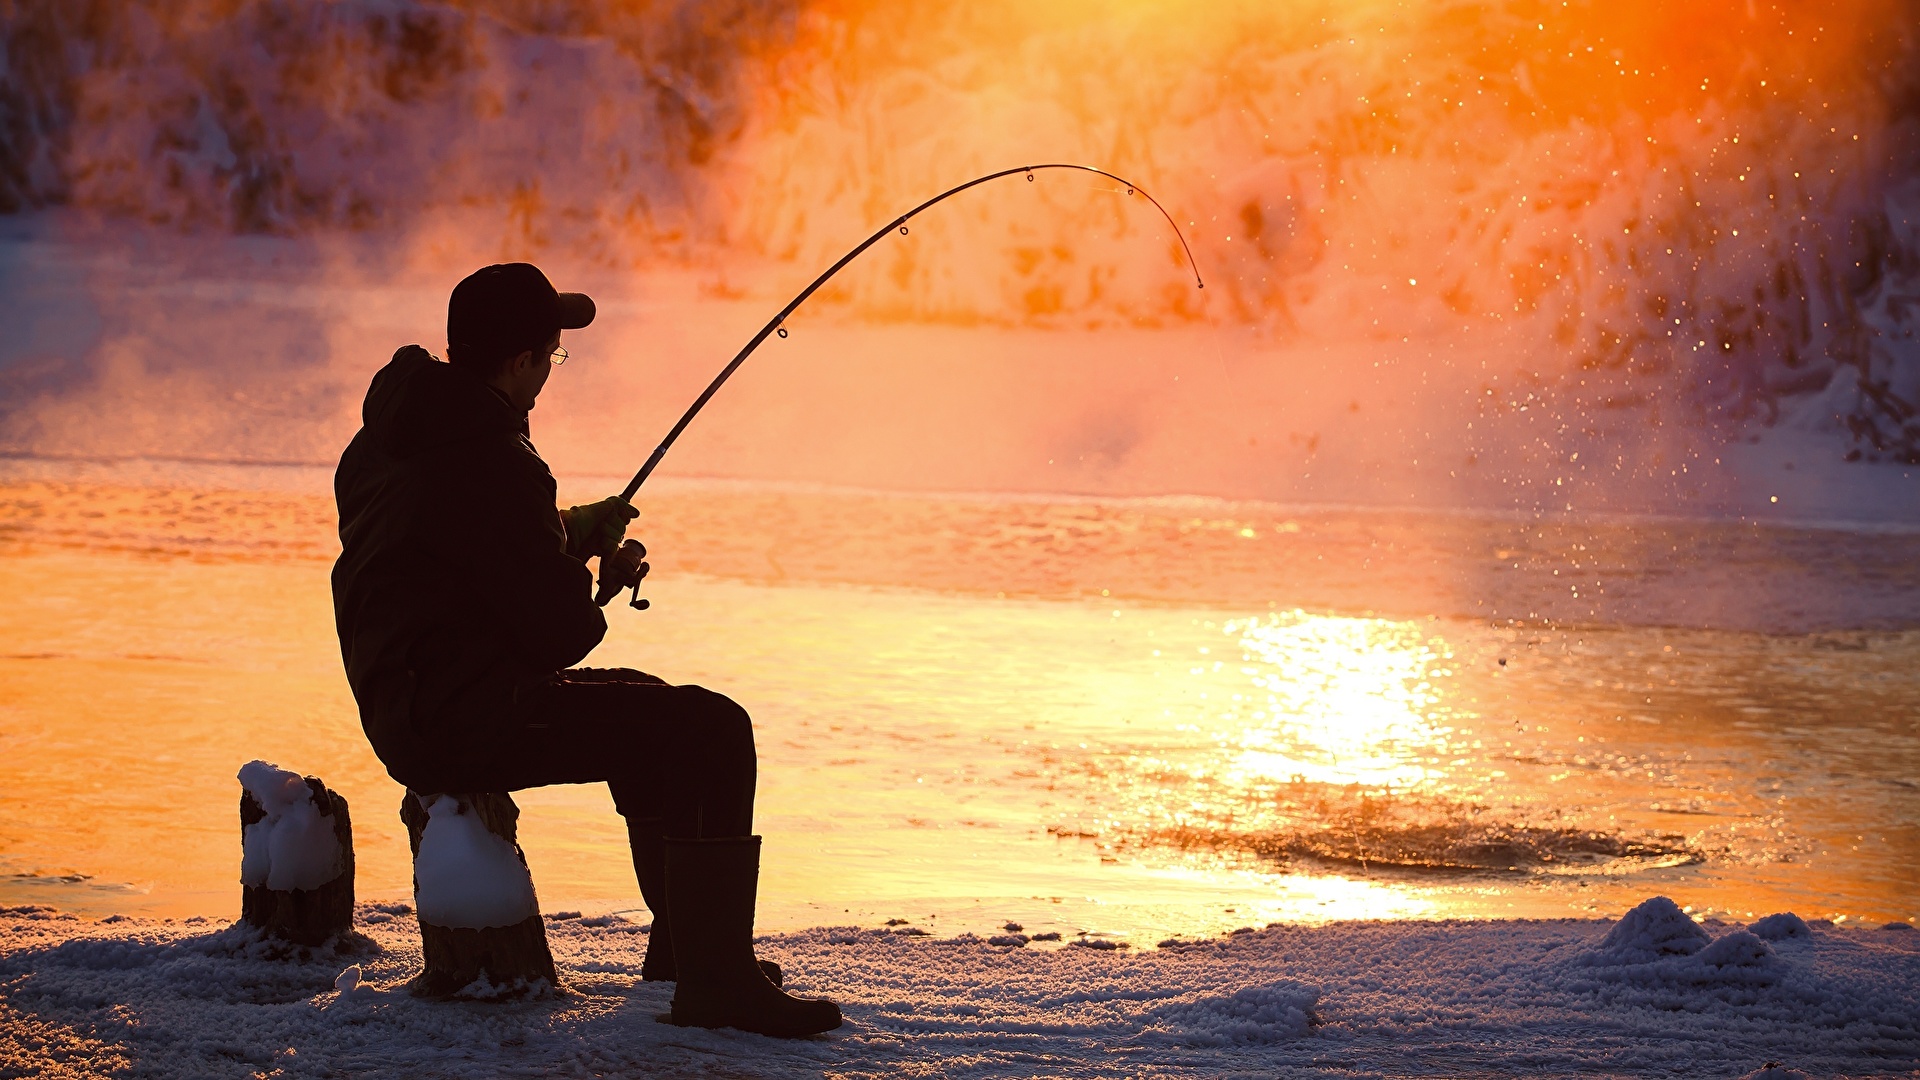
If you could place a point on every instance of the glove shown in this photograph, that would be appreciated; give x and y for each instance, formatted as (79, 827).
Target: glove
(596, 528)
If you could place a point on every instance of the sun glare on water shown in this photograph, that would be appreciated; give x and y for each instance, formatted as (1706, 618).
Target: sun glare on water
(1347, 701)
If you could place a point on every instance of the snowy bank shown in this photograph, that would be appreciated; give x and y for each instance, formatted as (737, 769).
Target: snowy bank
(1646, 996)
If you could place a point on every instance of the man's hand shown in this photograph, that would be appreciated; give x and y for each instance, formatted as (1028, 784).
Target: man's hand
(596, 528)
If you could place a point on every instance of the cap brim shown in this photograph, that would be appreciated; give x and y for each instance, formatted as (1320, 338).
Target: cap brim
(576, 310)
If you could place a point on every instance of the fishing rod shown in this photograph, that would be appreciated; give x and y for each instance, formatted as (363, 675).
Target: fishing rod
(620, 570)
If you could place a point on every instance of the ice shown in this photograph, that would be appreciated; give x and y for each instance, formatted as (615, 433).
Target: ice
(466, 876)
(294, 846)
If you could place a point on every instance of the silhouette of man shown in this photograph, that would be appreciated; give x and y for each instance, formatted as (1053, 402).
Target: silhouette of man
(462, 598)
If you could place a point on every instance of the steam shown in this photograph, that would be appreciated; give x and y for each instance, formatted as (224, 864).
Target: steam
(1493, 233)
(1699, 212)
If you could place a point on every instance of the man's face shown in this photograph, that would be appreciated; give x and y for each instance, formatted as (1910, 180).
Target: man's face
(528, 373)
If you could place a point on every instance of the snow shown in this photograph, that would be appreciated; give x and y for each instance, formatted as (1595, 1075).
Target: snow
(1655, 929)
(199, 999)
(1781, 926)
(294, 846)
(466, 876)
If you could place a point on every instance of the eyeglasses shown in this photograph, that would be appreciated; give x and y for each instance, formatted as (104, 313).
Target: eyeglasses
(559, 356)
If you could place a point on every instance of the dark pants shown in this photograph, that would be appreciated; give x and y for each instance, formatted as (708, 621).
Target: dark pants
(683, 754)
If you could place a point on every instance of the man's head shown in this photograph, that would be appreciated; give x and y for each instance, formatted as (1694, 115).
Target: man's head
(504, 323)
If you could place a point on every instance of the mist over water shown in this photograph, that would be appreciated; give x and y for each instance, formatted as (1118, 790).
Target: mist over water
(1510, 255)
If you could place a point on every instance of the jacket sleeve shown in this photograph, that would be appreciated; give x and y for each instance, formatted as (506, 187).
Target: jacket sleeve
(519, 555)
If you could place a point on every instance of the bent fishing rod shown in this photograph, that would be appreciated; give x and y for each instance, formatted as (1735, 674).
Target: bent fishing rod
(620, 570)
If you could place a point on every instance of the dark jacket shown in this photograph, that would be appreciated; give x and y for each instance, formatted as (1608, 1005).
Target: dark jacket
(453, 585)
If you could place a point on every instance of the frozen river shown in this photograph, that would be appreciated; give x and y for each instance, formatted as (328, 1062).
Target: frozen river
(1131, 718)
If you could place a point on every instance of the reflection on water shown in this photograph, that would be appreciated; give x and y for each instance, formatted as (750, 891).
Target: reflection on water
(1347, 701)
(1340, 755)
(1131, 769)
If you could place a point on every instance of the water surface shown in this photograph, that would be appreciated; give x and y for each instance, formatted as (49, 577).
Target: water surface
(1159, 760)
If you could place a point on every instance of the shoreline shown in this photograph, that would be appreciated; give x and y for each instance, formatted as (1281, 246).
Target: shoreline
(1494, 997)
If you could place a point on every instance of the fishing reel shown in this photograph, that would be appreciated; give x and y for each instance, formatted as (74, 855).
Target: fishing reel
(623, 569)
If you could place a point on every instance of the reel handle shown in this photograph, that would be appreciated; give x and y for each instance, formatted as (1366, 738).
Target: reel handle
(623, 569)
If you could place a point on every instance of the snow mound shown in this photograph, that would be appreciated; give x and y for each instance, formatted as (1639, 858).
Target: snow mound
(352, 984)
(465, 876)
(1736, 958)
(1254, 1016)
(294, 846)
(1780, 927)
(1654, 930)
(1740, 948)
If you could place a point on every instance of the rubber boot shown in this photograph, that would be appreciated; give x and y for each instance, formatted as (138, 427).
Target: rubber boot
(650, 866)
(648, 840)
(711, 886)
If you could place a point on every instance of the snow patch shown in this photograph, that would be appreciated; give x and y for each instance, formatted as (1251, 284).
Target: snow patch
(1737, 949)
(294, 846)
(465, 876)
(1780, 927)
(1653, 931)
(516, 989)
(1253, 1016)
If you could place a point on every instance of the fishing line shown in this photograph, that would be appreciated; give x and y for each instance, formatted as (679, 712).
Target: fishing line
(774, 324)
(899, 223)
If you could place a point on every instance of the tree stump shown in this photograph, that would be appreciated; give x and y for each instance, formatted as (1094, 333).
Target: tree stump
(481, 934)
(295, 884)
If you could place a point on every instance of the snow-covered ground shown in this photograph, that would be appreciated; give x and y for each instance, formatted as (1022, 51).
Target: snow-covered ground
(1653, 995)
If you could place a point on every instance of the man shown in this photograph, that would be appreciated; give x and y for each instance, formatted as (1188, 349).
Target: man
(462, 595)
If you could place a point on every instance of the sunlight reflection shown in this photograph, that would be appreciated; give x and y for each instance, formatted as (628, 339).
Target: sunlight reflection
(1260, 896)
(1346, 701)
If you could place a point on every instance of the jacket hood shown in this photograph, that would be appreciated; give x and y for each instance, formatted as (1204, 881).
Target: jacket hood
(417, 403)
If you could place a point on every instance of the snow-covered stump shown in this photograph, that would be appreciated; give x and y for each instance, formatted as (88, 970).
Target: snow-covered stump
(296, 862)
(481, 935)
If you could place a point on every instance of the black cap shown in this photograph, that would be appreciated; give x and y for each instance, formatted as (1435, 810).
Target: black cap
(511, 306)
